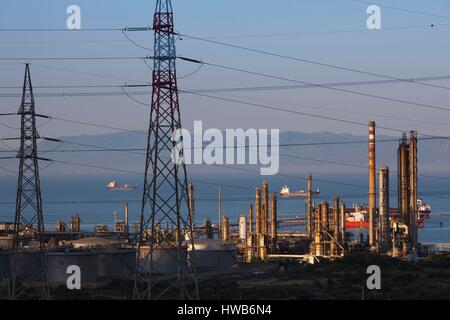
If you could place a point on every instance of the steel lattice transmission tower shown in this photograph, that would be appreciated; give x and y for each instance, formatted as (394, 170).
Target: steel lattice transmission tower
(163, 267)
(28, 249)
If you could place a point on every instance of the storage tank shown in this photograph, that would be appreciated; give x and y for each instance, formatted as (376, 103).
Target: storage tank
(96, 242)
(117, 263)
(213, 253)
(5, 265)
(6, 241)
(59, 260)
(164, 260)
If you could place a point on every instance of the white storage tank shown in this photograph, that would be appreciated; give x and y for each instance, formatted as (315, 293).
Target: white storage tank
(211, 253)
(165, 260)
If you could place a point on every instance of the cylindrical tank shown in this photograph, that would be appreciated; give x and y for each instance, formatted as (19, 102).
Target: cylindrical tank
(5, 265)
(242, 228)
(165, 260)
(59, 261)
(213, 254)
(117, 263)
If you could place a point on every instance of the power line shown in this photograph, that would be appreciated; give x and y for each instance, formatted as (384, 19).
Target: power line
(73, 30)
(315, 107)
(223, 90)
(428, 106)
(332, 32)
(73, 58)
(327, 65)
(262, 106)
(403, 9)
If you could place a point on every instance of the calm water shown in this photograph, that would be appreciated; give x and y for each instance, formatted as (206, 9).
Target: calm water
(88, 197)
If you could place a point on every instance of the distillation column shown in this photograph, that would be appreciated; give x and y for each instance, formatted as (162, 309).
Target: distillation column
(413, 188)
(325, 228)
(342, 224)
(258, 212)
(273, 220)
(384, 218)
(403, 168)
(335, 230)
(265, 208)
(309, 208)
(318, 249)
(372, 183)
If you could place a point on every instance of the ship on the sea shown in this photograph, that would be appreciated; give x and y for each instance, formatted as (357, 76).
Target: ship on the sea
(286, 193)
(113, 185)
(358, 217)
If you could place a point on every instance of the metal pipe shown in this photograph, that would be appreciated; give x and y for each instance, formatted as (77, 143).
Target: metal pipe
(372, 182)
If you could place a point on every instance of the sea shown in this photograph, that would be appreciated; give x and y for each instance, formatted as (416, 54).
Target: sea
(64, 196)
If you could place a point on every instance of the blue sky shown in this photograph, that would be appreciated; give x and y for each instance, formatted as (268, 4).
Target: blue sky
(409, 52)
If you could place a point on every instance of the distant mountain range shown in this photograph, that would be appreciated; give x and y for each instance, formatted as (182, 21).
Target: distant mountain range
(335, 153)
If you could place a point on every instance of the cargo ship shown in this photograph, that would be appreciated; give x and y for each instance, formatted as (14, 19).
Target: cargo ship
(358, 216)
(356, 219)
(286, 193)
(114, 186)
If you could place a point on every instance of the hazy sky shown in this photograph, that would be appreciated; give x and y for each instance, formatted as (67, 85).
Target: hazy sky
(407, 53)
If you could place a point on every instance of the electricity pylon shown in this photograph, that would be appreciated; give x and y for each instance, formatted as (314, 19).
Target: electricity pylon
(163, 268)
(28, 248)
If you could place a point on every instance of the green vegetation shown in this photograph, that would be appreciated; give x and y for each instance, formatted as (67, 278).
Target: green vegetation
(343, 279)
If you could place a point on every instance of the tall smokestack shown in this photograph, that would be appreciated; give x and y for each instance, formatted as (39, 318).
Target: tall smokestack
(273, 217)
(413, 187)
(258, 211)
(384, 219)
(372, 183)
(309, 207)
(265, 211)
